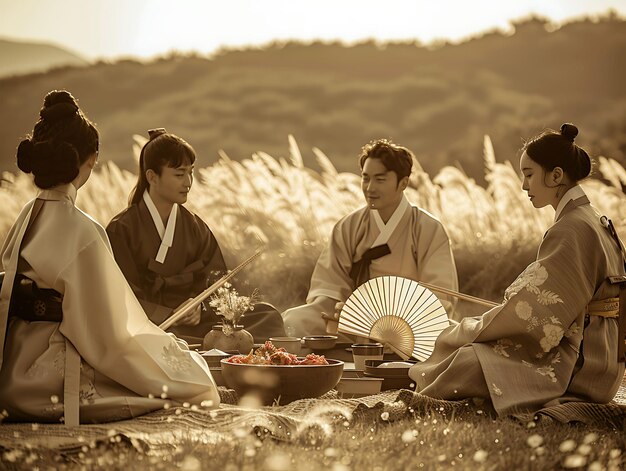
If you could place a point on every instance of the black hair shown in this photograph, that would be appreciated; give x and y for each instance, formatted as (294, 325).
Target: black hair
(395, 158)
(62, 140)
(162, 150)
(552, 149)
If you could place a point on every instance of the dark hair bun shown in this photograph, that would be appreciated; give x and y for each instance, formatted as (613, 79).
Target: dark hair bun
(569, 131)
(156, 132)
(58, 105)
(51, 163)
(25, 152)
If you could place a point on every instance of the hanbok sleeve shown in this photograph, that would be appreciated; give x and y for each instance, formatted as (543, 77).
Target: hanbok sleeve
(104, 321)
(126, 260)
(435, 260)
(210, 253)
(331, 275)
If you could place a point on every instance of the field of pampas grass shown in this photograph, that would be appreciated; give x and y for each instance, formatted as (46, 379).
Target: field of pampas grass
(290, 209)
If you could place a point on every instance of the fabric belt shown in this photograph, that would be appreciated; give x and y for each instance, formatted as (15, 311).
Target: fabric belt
(621, 281)
(621, 321)
(608, 307)
(31, 303)
(360, 271)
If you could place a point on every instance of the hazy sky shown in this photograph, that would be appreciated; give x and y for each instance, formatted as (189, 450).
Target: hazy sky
(110, 28)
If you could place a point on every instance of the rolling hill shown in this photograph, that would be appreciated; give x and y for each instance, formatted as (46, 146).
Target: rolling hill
(19, 58)
(439, 101)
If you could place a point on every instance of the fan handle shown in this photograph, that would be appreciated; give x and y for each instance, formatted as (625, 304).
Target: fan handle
(393, 348)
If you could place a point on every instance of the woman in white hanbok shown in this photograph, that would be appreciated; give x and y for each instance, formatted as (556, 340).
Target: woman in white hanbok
(556, 338)
(101, 359)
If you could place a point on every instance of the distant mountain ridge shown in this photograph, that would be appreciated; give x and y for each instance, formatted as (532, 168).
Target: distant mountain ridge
(18, 58)
(438, 102)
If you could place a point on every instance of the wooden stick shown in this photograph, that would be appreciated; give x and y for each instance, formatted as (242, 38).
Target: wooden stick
(456, 294)
(195, 302)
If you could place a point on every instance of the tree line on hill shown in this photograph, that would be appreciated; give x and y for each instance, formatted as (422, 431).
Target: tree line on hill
(438, 101)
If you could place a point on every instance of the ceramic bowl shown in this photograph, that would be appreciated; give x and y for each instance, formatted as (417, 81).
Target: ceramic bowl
(393, 377)
(213, 357)
(320, 342)
(290, 344)
(356, 384)
(281, 383)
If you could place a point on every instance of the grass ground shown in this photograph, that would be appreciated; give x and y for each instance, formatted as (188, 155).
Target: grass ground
(471, 440)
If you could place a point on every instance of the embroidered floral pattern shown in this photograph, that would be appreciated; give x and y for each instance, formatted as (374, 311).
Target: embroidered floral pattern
(36, 371)
(496, 390)
(523, 310)
(574, 329)
(535, 275)
(547, 297)
(547, 369)
(552, 337)
(175, 358)
(58, 362)
(502, 345)
(87, 392)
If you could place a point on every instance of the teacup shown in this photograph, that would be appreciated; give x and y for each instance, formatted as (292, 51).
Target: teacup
(366, 351)
(290, 344)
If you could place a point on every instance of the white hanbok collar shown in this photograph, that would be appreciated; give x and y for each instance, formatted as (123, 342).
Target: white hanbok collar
(386, 230)
(573, 193)
(59, 192)
(166, 233)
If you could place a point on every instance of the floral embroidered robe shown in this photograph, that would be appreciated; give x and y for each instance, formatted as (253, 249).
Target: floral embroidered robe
(127, 361)
(539, 348)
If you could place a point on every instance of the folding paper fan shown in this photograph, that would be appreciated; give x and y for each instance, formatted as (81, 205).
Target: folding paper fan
(395, 311)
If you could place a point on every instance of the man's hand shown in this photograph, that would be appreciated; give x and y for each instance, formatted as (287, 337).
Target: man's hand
(332, 320)
(192, 318)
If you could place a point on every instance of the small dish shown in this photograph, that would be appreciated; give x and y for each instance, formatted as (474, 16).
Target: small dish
(214, 356)
(394, 377)
(320, 342)
(355, 384)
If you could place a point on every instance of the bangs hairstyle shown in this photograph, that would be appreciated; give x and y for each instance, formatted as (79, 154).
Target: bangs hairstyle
(395, 158)
(162, 150)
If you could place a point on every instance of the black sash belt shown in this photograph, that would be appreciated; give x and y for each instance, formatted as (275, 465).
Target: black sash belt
(31, 303)
(360, 271)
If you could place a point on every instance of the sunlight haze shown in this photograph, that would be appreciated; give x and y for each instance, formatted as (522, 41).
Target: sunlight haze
(145, 28)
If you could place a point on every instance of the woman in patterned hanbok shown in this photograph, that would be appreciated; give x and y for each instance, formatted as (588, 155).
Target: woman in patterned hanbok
(78, 346)
(555, 338)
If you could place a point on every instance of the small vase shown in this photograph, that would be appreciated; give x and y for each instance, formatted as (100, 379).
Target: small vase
(228, 338)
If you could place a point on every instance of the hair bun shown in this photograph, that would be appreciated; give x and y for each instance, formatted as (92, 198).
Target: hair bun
(55, 163)
(569, 131)
(25, 155)
(156, 132)
(58, 105)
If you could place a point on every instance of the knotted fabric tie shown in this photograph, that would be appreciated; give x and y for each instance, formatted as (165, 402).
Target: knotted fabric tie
(360, 271)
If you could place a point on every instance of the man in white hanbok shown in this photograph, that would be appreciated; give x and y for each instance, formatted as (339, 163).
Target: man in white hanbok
(103, 359)
(389, 236)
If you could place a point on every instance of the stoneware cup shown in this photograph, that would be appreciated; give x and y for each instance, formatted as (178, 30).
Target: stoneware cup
(291, 344)
(366, 351)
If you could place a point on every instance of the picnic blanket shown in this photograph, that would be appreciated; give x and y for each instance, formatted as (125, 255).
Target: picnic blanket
(165, 428)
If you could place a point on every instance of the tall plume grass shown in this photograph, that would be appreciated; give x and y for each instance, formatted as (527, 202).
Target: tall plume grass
(290, 209)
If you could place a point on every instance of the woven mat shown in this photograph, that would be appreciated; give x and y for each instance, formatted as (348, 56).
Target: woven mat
(165, 428)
